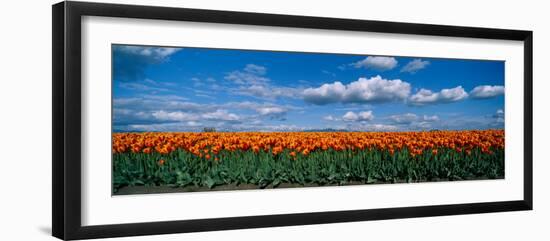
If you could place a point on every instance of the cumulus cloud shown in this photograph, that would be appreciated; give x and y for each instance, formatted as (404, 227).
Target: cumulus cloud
(140, 86)
(251, 81)
(169, 127)
(404, 118)
(239, 77)
(422, 125)
(261, 128)
(267, 92)
(361, 116)
(160, 102)
(415, 65)
(372, 127)
(175, 116)
(499, 115)
(330, 118)
(157, 111)
(379, 63)
(130, 62)
(328, 73)
(260, 107)
(154, 53)
(411, 121)
(222, 115)
(381, 127)
(255, 69)
(425, 96)
(264, 110)
(218, 115)
(327, 93)
(251, 75)
(273, 112)
(432, 118)
(375, 89)
(168, 108)
(281, 127)
(496, 120)
(487, 91)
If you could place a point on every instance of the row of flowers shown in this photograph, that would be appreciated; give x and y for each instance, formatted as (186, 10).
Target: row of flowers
(208, 143)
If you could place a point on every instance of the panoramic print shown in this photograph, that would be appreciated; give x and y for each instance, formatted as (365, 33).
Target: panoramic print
(202, 119)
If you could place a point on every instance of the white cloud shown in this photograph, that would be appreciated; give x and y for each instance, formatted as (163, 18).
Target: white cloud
(175, 116)
(152, 52)
(499, 115)
(205, 96)
(281, 127)
(257, 106)
(140, 86)
(251, 75)
(151, 103)
(404, 118)
(255, 69)
(273, 112)
(330, 118)
(411, 121)
(454, 94)
(252, 82)
(328, 73)
(265, 91)
(179, 126)
(381, 127)
(415, 65)
(432, 118)
(222, 115)
(239, 77)
(361, 116)
(375, 89)
(372, 127)
(487, 91)
(210, 82)
(379, 63)
(423, 125)
(165, 97)
(327, 93)
(497, 119)
(270, 110)
(153, 110)
(130, 62)
(218, 115)
(193, 123)
(262, 128)
(425, 96)
(350, 116)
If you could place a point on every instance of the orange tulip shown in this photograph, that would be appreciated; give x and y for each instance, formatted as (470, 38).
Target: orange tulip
(207, 144)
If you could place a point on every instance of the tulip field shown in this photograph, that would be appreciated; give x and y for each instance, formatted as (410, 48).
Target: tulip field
(207, 160)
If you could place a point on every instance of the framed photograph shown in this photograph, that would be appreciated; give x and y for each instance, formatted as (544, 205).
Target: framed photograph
(169, 120)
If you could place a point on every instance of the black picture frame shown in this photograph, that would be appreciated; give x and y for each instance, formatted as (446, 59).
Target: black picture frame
(66, 128)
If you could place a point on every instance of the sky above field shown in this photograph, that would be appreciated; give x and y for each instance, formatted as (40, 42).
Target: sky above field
(188, 89)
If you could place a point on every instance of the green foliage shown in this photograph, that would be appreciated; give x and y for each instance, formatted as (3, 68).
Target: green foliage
(330, 167)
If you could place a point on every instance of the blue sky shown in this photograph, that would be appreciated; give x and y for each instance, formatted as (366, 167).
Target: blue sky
(187, 89)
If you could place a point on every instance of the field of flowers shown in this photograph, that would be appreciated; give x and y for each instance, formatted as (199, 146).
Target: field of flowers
(211, 159)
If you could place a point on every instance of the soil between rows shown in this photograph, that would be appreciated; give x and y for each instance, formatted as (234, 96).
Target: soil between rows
(132, 190)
